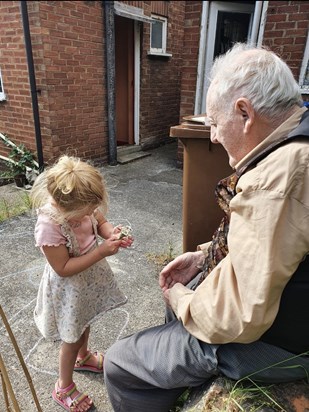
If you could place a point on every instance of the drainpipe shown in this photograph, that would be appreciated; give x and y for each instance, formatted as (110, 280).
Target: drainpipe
(35, 106)
(108, 7)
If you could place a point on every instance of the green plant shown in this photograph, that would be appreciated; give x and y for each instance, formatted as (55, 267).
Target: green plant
(20, 160)
(162, 259)
(252, 397)
(181, 401)
(245, 394)
(16, 207)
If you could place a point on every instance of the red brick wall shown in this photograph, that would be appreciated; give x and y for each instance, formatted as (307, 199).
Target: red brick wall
(286, 31)
(160, 79)
(192, 23)
(69, 59)
(67, 39)
(16, 118)
(68, 50)
(193, 13)
(73, 84)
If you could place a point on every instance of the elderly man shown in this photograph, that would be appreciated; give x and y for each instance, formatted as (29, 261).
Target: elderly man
(239, 305)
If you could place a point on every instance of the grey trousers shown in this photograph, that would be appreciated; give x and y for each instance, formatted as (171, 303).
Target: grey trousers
(147, 371)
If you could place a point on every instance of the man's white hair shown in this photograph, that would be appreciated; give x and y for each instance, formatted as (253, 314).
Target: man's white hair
(258, 75)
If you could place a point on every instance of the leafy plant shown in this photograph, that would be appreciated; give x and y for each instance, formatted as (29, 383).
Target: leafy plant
(20, 160)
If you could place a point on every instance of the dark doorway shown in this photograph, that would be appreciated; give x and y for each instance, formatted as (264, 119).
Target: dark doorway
(124, 66)
(231, 28)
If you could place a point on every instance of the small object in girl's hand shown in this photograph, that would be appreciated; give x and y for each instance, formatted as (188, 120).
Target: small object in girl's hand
(125, 232)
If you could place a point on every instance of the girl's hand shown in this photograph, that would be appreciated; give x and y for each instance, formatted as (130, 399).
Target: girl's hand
(109, 246)
(123, 234)
(117, 230)
(126, 241)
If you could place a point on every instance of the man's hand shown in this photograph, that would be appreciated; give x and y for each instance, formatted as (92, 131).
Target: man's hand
(166, 296)
(181, 270)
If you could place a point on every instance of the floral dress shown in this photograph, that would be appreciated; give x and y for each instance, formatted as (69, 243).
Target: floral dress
(67, 305)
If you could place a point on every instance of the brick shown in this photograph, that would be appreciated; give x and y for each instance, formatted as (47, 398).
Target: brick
(68, 46)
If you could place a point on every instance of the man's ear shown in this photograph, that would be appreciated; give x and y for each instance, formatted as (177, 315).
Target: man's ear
(244, 108)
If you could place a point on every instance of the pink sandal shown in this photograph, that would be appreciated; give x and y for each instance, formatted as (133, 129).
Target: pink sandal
(81, 365)
(64, 399)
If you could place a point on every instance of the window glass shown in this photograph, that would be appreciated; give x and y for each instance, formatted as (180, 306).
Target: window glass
(157, 34)
(231, 28)
(2, 95)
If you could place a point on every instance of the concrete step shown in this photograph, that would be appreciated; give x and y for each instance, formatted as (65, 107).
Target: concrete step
(129, 153)
(123, 158)
(132, 148)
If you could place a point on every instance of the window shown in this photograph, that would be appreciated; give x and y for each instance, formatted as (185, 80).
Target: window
(158, 36)
(2, 95)
(304, 71)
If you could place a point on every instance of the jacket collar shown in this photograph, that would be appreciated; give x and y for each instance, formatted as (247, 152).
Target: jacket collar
(275, 140)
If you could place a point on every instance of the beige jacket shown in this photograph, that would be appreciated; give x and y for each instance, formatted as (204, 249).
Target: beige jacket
(268, 237)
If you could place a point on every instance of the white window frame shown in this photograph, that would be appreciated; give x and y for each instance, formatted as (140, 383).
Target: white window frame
(155, 50)
(304, 89)
(2, 94)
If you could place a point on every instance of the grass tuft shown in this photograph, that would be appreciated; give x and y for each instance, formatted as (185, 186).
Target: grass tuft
(16, 207)
(162, 259)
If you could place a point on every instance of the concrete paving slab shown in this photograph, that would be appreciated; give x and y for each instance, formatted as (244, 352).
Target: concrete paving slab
(147, 194)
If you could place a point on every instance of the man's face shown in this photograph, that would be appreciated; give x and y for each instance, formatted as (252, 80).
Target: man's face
(227, 129)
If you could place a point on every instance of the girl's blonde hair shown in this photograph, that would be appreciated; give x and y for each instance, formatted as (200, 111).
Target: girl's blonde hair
(74, 185)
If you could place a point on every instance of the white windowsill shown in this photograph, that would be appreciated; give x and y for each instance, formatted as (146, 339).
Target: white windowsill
(151, 53)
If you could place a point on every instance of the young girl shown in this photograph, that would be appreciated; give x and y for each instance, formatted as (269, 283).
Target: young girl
(77, 283)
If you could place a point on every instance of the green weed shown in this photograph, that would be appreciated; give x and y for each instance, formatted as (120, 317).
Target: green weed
(162, 259)
(244, 395)
(15, 207)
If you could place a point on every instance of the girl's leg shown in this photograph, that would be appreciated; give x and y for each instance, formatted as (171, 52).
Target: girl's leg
(83, 350)
(67, 357)
(95, 360)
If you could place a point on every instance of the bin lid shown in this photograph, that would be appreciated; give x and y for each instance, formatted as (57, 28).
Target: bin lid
(197, 119)
(196, 126)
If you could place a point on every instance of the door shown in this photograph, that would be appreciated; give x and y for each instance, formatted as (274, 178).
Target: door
(227, 23)
(124, 80)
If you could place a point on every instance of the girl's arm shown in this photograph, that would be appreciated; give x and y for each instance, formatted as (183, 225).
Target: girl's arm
(105, 229)
(65, 265)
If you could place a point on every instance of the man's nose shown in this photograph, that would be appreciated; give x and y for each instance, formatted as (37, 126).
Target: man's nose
(213, 138)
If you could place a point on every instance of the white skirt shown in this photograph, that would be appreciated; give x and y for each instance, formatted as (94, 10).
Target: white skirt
(67, 305)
